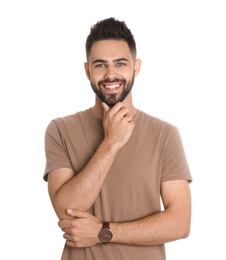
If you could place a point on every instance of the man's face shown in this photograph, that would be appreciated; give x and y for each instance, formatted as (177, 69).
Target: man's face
(110, 70)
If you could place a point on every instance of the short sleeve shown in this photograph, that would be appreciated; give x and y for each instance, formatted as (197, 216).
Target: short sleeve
(55, 149)
(174, 165)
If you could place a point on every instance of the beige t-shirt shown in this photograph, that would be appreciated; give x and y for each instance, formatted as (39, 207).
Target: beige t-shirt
(153, 154)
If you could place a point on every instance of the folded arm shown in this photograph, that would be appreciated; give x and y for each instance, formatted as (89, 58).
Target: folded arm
(79, 191)
(171, 224)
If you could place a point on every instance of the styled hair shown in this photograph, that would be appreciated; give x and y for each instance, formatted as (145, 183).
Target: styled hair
(110, 29)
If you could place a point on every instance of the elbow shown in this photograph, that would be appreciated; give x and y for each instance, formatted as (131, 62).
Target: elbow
(185, 231)
(60, 206)
(184, 225)
(185, 234)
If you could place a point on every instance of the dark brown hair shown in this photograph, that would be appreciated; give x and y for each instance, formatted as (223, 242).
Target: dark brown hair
(113, 29)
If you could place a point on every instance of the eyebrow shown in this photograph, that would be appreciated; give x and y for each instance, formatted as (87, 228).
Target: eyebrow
(105, 61)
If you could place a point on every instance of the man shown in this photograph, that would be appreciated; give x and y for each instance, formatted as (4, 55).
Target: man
(109, 167)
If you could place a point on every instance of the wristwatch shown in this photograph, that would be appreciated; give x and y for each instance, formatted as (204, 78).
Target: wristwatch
(105, 235)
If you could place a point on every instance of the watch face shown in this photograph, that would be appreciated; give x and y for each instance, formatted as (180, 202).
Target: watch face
(105, 235)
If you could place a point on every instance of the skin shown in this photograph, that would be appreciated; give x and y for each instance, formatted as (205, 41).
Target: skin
(111, 63)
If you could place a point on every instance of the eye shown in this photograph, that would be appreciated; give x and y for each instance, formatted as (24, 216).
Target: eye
(120, 64)
(100, 65)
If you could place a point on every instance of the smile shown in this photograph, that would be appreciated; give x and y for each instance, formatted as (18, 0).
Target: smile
(114, 86)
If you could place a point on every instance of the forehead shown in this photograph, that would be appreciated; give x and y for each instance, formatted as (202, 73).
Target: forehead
(110, 49)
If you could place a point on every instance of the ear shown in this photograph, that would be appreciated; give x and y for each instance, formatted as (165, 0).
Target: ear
(137, 66)
(86, 66)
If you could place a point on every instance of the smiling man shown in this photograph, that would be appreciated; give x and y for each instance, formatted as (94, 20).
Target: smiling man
(109, 167)
(116, 76)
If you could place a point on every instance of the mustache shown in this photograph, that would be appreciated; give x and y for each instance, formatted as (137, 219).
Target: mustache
(101, 82)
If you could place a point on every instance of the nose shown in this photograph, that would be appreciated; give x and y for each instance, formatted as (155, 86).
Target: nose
(110, 73)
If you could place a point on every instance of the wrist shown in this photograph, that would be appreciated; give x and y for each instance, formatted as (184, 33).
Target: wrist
(105, 235)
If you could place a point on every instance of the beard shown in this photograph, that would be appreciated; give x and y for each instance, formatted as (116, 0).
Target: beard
(112, 99)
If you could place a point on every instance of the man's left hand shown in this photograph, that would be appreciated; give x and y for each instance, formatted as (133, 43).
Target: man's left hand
(82, 230)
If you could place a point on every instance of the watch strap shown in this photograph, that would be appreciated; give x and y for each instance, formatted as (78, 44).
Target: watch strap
(106, 225)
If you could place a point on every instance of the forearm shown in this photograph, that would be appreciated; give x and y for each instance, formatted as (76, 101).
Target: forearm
(81, 191)
(83, 229)
(157, 229)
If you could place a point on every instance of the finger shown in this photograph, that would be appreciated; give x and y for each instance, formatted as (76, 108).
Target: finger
(67, 236)
(64, 224)
(76, 213)
(128, 117)
(118, 110)
(105, 107)
(66, 230)
(123, 112)
(72, 243)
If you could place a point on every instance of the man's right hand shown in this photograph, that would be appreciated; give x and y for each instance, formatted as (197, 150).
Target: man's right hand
(118, 124)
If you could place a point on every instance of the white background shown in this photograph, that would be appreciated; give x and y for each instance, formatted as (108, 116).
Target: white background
(182, 45)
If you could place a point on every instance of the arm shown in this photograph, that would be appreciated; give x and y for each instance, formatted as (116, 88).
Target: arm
(171, 224)
(79, 191)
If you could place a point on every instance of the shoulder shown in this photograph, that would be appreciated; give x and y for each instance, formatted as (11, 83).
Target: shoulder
(69, 120)
(155, 123)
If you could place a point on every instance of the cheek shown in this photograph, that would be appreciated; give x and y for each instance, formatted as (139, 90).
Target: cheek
(95, 77)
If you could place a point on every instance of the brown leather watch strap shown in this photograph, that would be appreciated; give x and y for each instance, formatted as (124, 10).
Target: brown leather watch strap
(106, 225)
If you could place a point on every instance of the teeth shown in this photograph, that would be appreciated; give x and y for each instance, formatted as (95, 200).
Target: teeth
(112, 86)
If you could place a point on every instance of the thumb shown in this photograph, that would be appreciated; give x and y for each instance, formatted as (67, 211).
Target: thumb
(105, 107)
(76, 213)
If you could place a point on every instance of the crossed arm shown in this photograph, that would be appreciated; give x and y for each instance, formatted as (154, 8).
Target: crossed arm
(81, 228)
(79, 191)
(72, 195)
